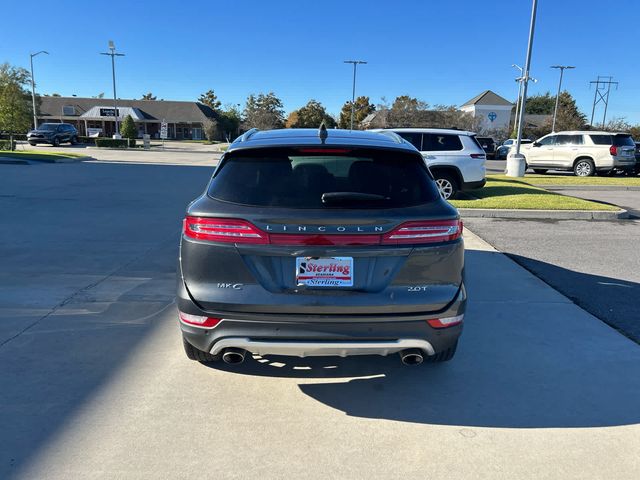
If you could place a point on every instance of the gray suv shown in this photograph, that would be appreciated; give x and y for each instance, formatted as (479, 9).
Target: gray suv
(314, 242)
(53, 134)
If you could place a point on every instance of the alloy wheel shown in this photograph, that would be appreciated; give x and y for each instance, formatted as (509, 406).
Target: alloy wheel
(444, 187)
(583, 169)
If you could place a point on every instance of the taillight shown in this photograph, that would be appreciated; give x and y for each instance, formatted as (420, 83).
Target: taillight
(223, 230)
(478, 155)
(198, 320)
(446, 322)
(613, 150)
(424, 232)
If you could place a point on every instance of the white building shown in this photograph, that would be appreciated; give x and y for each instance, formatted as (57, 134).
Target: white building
(494, 110)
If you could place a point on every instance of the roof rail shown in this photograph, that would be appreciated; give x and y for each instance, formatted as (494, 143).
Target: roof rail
(247, 135)
(393, 136)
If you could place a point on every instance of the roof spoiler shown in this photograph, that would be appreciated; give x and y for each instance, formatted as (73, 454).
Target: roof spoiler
(247, 135)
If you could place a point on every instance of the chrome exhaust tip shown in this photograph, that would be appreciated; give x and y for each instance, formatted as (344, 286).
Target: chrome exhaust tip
(412, 356)
(233, 356)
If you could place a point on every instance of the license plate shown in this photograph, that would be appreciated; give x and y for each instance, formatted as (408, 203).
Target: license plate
(324, 271)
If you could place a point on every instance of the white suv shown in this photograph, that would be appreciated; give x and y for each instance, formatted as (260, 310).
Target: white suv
(455, 158)
(585, 152)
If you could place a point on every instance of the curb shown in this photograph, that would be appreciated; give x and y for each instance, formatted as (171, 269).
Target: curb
(595, 188)
(544, 214)
(12, 161)
(61, 160)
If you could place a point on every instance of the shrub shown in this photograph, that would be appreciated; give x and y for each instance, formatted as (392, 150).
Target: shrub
(132, 142)
(87, 140)
(6, 145)
(128, 128)
(16, 136)
(111, 142)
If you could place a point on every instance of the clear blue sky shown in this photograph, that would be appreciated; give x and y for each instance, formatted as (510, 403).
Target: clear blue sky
(439, 51)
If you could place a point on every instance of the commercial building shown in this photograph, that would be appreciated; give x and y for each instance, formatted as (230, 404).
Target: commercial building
(96, 116)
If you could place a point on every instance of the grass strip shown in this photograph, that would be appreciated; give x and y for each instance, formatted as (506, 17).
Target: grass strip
(500, 193)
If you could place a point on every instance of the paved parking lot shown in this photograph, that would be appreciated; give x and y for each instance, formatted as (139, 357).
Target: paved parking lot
(94, 383)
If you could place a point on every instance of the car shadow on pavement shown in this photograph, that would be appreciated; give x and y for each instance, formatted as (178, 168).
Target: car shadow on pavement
(539, 362)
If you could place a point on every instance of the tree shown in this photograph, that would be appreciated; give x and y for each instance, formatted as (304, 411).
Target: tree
(15, 102)
(540, 104)
(407, 111)
(211, 129)
(210, 99)
(263, 111)
(128, 130)
(149, 96)
(311, 116)
(230, 120)
(569, 117)
(363, 107)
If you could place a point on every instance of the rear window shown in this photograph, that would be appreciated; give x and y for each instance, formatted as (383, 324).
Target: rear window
(440, 142)
(617, 140)
(297, 178)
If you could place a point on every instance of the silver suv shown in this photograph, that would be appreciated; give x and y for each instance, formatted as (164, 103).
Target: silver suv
(584, 152)
(455, 158)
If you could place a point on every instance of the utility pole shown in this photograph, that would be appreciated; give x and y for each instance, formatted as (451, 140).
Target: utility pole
(555, 110)
(112, 53)
(353, 93)
(599, 96)
(33, 88)
(516, 163)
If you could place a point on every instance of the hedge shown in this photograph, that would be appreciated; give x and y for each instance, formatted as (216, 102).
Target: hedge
(87, 140)
(6, 145)
(16, 136)
(112, 142)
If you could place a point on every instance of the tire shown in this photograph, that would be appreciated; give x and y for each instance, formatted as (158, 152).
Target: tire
(447, 184)
(443, 356)
(56, 142)
(198, 355)
(540, 171)
(74, 140)
(584, 167)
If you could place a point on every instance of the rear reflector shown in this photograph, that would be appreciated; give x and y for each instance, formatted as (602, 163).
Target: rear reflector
(223, 230)
(198, 321)
(445, 322)
(424, 232)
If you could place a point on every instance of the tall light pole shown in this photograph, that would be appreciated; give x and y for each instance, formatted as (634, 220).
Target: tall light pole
(516, 163)
(33, 88)
(515, 118)
(555, 110)
(353, 93)
(112, 53)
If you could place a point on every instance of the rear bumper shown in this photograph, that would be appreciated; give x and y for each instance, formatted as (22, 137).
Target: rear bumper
(315, 335)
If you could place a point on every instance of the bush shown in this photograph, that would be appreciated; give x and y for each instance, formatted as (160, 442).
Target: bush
(87, 140)
(16, 136)
(111, 142)
(128, 128)
(6, 145)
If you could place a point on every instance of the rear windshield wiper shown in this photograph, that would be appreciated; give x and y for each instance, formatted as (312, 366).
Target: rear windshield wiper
(332, 198)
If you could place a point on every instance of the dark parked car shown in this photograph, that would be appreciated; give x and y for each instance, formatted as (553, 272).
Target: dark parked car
(315, 242)
(488, 144)
(637, 169)
(503, 150)
(53, 134)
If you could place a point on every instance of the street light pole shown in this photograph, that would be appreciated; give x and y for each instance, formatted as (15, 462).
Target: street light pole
(33, 89)
(353, 92)
(555, 110)
(515, 118)
(516, 164)
(112, 53)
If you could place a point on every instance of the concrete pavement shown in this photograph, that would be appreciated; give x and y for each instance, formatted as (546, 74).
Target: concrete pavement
(94, 383)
